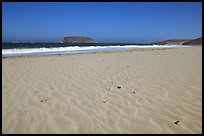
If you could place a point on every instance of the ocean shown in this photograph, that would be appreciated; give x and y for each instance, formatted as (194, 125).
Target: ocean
(44, 49)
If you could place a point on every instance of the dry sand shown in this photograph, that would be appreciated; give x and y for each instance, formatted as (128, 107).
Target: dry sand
(80, 93)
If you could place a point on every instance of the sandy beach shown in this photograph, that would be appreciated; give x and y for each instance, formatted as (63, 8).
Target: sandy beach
(137, 91)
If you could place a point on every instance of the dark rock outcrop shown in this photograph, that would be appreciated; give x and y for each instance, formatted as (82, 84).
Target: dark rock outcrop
(77, 39)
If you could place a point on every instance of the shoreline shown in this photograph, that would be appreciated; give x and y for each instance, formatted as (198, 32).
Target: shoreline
(114, 51)
(31, 54)
(128, 50)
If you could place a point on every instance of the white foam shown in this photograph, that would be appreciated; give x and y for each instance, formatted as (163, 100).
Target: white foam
(75, 49)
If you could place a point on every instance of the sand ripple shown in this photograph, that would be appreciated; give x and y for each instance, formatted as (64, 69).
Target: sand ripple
(80, 93)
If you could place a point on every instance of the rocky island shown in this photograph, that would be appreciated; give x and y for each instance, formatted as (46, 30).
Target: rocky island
(77, 39)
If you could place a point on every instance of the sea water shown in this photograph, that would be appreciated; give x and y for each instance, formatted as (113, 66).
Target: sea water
(44, 49)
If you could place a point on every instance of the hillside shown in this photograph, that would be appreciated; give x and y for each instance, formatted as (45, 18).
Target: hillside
(197, 41)
(173, 41)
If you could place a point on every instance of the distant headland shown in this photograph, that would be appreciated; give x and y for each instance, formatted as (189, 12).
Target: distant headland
(77, 39)
(197, 41)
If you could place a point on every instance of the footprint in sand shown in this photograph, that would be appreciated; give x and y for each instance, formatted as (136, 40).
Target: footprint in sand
(46, 100)
(104, 101)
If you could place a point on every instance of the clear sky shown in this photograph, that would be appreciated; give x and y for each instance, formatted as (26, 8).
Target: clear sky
(126, 22)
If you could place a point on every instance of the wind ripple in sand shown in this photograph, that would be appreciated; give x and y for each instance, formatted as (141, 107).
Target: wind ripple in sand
(82, 95)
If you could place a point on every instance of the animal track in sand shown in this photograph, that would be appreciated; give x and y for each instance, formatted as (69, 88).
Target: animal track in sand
(46, 100)
(104, 101)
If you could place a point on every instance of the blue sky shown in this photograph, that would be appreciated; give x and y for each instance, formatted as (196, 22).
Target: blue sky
(125, 22)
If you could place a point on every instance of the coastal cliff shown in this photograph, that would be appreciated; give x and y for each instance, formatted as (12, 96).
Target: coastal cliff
(77, 39)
